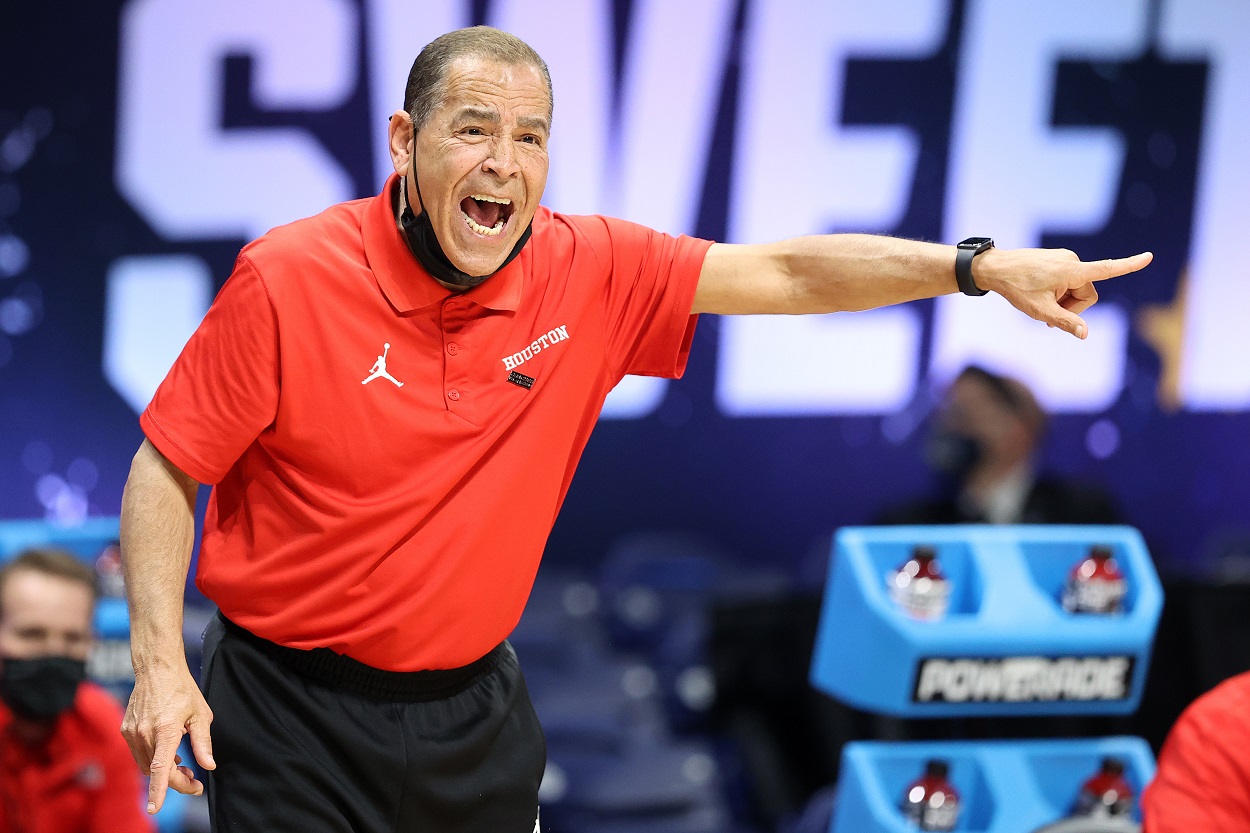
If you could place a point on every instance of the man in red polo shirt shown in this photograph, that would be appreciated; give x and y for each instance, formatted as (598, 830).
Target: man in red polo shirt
(63, 768)
(390, 399)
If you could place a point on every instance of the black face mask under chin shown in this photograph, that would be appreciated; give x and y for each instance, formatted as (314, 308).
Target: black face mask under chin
(423, 243)
(40, 688)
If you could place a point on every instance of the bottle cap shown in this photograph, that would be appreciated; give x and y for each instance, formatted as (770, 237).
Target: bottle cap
(936, 769)
(923, 552)
(1113, 766)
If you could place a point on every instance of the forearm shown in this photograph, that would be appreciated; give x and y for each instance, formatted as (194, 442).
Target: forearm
(843, 272)
(836, 272)
(825, 273)
(157, 531)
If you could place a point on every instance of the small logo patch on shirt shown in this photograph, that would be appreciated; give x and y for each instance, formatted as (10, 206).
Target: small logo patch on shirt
(521, 379)
(378, 371)
(90, 776)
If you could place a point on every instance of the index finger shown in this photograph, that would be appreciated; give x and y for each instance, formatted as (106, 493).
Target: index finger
(138, 750)
(162, 764)
(1101, 270)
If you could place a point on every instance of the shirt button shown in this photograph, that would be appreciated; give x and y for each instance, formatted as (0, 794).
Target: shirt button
(453, 394)
(453, 348)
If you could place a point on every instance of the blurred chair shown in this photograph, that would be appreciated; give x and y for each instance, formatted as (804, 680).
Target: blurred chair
(817, 816)
(658, 590)
(646, 788)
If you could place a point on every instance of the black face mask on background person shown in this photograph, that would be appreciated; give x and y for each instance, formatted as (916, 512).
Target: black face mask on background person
(423, 243)
(952, 453)
(40, 688)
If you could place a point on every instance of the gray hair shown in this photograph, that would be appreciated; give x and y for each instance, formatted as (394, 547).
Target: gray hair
(428, 76)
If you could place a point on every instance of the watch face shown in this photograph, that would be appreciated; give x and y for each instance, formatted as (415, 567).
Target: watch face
(976, 242)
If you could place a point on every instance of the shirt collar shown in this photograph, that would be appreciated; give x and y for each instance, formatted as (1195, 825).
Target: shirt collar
(406, 285)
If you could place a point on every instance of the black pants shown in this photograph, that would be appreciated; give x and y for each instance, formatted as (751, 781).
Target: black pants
(313, 742)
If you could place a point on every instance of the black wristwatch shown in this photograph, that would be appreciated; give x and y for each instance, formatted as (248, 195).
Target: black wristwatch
(968, 249)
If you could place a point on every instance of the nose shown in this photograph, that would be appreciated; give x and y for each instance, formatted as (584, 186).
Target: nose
(502, 161)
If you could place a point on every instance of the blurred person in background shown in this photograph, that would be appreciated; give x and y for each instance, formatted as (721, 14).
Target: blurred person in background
(63, 766)
(986, 441)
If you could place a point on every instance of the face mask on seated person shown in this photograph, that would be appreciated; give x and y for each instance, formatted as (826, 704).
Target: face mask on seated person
(40, 688)
(952, 453)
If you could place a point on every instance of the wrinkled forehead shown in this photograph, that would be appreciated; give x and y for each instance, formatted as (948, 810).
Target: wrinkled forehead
(32, 597)
(496, 89)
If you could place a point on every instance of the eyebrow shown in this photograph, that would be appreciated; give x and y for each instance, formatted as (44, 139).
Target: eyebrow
(476, 114)
(534, 123)
(491, 115)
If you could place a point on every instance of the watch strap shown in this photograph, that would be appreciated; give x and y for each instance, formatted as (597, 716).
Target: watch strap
(965, 252)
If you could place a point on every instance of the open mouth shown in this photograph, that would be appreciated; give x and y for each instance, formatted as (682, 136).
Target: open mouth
(486, 215)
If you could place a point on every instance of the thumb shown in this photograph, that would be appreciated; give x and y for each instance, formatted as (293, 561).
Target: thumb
(201, 742)
(1051, 313)
(1069, 322)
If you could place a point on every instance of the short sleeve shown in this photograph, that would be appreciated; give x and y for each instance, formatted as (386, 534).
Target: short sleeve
(651, 287)
(222, 391)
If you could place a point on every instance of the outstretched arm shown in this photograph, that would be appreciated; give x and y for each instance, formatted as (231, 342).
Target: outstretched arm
(158, 526)
(840, 272)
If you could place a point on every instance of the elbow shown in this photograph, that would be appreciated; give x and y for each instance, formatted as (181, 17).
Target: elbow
(145, 462)
(806, 299)
(810, 290)
(150, 466)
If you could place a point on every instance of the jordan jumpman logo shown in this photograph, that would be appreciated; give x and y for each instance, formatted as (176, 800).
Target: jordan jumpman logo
(378, 371)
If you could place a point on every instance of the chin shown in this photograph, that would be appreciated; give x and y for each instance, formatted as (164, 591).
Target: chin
(474, 261)
(476, 267)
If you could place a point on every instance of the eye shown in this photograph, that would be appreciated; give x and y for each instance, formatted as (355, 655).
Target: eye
(474, 131)
(531, 139)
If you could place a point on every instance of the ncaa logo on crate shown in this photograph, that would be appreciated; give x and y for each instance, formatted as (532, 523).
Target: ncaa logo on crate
(1022, 679)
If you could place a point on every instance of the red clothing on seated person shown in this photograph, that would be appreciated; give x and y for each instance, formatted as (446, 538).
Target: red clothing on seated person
(1203, 779)
(80, 780)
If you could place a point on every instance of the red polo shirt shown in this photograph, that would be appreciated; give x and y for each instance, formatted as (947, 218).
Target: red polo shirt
(81, 780)
(1202, 784)
(392, 502)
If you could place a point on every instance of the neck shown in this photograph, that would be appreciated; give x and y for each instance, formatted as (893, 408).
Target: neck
(985, 478)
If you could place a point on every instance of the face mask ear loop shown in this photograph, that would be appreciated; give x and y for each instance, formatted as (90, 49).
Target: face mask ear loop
(416, 182)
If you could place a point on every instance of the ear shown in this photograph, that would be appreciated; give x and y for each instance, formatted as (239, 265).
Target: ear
(401, 140)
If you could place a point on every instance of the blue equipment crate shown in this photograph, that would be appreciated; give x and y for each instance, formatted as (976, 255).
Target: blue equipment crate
(1006, 646)
(86, 540)
(1004, 786)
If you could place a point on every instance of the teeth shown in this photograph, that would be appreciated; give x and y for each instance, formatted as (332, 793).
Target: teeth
(481, 229)
(486, 198)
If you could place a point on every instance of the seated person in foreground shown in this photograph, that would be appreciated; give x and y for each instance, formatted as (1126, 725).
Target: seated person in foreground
(64, 767)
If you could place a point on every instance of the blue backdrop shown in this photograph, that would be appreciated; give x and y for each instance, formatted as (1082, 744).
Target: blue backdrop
(142, 143)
